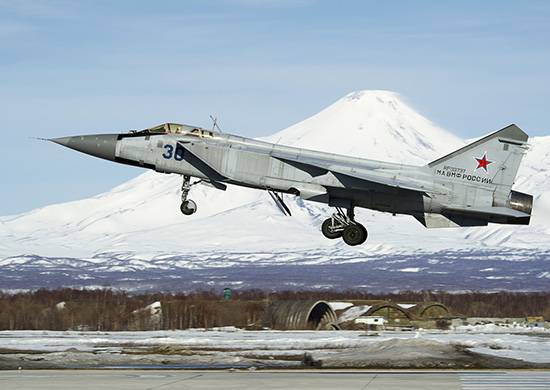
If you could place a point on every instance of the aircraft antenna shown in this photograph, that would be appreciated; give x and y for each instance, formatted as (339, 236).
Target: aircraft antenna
(215, 124)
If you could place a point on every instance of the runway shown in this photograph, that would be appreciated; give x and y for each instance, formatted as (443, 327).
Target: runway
(266, 380)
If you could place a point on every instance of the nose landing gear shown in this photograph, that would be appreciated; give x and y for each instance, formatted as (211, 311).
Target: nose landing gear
(343, 225)
(188, 206)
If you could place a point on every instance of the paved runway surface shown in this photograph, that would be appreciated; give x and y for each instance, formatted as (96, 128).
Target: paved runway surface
(266, 380)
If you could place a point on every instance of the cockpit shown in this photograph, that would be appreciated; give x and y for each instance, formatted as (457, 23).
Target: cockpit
(176, 128)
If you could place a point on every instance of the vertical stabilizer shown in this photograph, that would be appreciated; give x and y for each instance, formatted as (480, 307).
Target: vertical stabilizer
(491, 162)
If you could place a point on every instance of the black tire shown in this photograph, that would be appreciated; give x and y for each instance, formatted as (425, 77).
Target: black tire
(326, 232)
(365, 232)
(354, 234)
(188, 207)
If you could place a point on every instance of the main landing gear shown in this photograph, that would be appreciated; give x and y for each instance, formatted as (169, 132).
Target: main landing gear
(187, 207)
(343, 225)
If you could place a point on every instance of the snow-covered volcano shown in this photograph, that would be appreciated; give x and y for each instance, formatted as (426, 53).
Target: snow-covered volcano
(139, 221)
(377, 125)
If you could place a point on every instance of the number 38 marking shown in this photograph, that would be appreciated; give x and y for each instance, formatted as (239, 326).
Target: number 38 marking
(169, 152)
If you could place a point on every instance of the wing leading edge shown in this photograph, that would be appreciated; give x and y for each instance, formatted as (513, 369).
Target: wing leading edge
(383, 177)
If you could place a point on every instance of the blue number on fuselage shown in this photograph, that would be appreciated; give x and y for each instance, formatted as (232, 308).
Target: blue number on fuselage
(178, 156)
(169, 150)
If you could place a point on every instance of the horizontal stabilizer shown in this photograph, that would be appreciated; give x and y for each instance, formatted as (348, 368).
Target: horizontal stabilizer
(438, 221)
(491, 211)
(471, 216)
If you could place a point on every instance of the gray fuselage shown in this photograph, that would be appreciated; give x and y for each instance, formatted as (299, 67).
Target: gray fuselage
(252, 163)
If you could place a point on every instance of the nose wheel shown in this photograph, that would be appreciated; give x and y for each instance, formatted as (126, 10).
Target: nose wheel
(343, 225)
(188, 206)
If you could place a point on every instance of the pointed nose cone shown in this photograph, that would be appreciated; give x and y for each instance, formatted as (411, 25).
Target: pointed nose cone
(100, 145)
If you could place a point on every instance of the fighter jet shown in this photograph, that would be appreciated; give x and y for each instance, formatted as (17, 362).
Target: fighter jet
(471, 186)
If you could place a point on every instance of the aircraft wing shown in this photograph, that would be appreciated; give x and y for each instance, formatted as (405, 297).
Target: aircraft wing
(378, 176)
(386, 178)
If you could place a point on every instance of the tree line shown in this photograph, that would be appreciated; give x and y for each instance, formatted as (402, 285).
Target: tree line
(111, 310)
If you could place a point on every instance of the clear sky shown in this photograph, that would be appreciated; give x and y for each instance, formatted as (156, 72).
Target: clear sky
(77, 67)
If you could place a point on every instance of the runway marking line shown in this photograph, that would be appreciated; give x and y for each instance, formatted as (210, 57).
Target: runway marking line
(171, 383)
(371, 379)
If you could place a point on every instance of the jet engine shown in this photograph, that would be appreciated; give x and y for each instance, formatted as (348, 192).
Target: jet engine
(520, 201)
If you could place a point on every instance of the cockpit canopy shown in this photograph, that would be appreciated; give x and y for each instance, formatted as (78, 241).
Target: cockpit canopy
(177, 128)
(166, 128)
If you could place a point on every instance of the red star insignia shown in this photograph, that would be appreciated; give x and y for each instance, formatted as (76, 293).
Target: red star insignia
(483, 162)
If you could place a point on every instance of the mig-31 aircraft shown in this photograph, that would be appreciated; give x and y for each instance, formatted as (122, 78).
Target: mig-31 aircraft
(469, 187)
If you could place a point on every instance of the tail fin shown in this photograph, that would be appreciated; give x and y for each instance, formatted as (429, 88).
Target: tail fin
(491, 162)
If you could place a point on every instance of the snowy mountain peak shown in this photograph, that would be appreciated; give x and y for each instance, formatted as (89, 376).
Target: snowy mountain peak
(372, 124)
(383, 96)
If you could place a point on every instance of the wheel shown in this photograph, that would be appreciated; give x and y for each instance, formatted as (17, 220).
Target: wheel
(188, 207)
(355, 234)
(325, 229)
(365, 232)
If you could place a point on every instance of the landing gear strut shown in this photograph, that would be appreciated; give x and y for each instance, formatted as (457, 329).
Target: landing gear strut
(187, 207)
(343, 225)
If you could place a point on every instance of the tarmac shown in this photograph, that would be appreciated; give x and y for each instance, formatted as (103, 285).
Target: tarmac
(267, 380)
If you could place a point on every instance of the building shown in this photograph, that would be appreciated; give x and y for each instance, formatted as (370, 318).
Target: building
(360, 314)
(371, 322)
